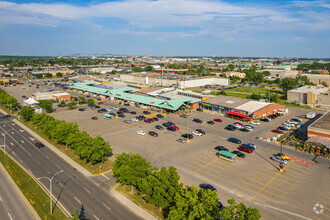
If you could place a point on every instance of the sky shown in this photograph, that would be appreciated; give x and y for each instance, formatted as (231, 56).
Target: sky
(238, 28)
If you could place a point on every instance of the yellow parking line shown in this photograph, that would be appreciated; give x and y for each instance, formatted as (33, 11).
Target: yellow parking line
(295, 172)
(212, 164)
(229, 163)
(204, 172)
(326, 208)
(268, 186)
(302, 165)
(260, 177)
(285, 182)
(282, 186)
(241, 193)
(325, 215)
(269, 182)
(290, 174)
(268, 171)
(218, 161)
(300, 170)
(263, 174)
(317, 218)
(295, 181)
(206, 165)
(190, 166)
(254, 199)
(196, 173)
(264, 190)
(246, 189)
(327, 197)
(209, 168)
(327, 203)
(258, 194)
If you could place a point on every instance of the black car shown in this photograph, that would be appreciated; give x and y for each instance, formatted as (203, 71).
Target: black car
(170, 128)
(210, 122)
(146, 113)
(239, 154)
(81, 109)
(100, 111)
(168, 124)
(141, 117)
(220, 148)
(97, 106)
(234, 140)
(187, 136)
(120, 112)
(159, 127)
(197, 120)
(207, 186)
(156, 119)
(152, 133)
(111, 113)
(39, 145)
(94, 118)
(23, 96)
(124, 110)
(184, 116)
(283, 128)
(133, 112)
(121, 115)
(199, 109)
(265, 119)
(244, 129)
(160, 116)
(230, 128)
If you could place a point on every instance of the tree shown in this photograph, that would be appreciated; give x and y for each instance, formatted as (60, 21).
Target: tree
(71, 105)
(39, 76)
(323, 83)
(231, 67)
(265, 73)
(277, 81)
(49, 75)
(238, 211)
(128, 168)
(234, 79)
(59, 74)
(26, 113)
(256, 96)
(81, 99)
(160, 186)
(113, 72)
(90, 102)
(75, 215)
(287, 84)
(62, 103)
(149, 68)
(191, 203)
(274, 97)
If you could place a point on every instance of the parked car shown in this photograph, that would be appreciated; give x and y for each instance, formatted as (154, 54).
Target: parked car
(94, 118)
(245, 149)
(217, 120)
(249, 144)
(127, 121)
(210, 122)
(197, 133)
(182, 140)
(148, 120)
(279, 159)
(240, 124)
(133, 112)
(168, 124)
(146, 112)
(170, 128)
(239, 154)
(277, 131)
(255, 122)
(155, 119)
(283, 156)
(266, 119)
(244, 129)
(201, 131)
(175, 127)
(207, 186)
(141, 132)
(251, 128)
(184, 116)
(199, 109)
(283, 128)
(187, 136)
(197, 120)
(234, 140)
(220, 148)
(81, 109)
(296, 119)
(121, 115)
(39, 145)
(230, 128)
(135, 119)
(159, 127)
(152, 133)
(160, 116)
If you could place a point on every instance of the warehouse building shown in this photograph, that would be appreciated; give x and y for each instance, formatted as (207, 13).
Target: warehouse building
(311, 95)
(60, 96)
(240, 108)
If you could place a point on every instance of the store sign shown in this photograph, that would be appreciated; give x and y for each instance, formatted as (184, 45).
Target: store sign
(206, 104)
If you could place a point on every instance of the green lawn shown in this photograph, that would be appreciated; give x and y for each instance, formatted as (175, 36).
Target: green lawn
(254, 90)
(241, 95)
(31, 190)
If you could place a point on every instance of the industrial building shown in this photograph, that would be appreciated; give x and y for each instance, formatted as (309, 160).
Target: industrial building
(319, 131)
(311, 95)
(60, 96)
(240, 108)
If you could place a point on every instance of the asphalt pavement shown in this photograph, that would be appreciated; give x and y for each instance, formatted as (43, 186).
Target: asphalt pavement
(13, 204)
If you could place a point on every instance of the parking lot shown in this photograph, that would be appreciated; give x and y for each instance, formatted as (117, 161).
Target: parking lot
(255, 180)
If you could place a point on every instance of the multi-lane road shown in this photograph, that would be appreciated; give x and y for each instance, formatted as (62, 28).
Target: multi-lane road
(71, 188)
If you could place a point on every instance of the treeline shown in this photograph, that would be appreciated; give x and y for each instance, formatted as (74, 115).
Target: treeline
(89, 149)
(7, 100)
(314, 66)
(161, 187)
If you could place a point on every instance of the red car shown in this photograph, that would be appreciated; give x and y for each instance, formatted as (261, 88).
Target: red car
(240, 124)
(217, 120)
(245, 149)
(148, 120)
(277, 131)
(175, 127)
(200, 131)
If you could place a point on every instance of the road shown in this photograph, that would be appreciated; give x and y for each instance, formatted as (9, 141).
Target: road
(71, 188)
(12, 203)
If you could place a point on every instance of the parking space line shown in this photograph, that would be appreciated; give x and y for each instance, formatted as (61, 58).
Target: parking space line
(282, 186)
(302, 165)
(300, 170)
(325, 215)
(200, 169)
(295, 181)
(246, 189)
(208, 167)
(258, 194)
(218, 161)
(264, 190)
(267, 171)
(260, 177)
(211, 164)
(229, 163)
(317, 218)
(290, 174)
(326, 208)
(263, 174)
(190, 166)
(285, 182)
(242, 193)
(268, 186)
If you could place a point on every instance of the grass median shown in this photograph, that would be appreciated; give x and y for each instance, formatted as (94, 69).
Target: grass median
(94, 169)
(31, 190)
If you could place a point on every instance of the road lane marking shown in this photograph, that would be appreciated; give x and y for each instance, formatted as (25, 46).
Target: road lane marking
(22, 141)
(12, 123)
(21, 160)
(12, 132)
(10, 216)
(269, 182)
(13, 153)
(87, 190)
(12, 144)
(47, 157)
(107, 206)
(58, 166)
(96, 217)
(29, 170)
(0, 199)
(105, 176)
(29, 154)
(21, 131)
(77, 199)
(38, 162)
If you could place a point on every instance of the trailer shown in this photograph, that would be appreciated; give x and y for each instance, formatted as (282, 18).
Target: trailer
(310, 115)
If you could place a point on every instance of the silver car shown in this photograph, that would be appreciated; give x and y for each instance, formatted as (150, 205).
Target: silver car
(127, 121)
(278, 159)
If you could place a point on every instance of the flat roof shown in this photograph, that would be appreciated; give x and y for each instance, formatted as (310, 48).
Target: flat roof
(322, 123)
(252, 106)
(228, 101)
(313, 89)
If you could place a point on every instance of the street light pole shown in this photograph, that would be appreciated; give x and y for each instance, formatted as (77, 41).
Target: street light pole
(281, 147)
(4, 141)
(50, 187)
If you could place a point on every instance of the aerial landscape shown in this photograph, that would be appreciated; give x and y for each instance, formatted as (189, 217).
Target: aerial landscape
(162, 109)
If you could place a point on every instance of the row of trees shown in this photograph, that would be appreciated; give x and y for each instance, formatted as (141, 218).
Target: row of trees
(161, 187)
(6, 99)
(314, 66)
(89, 149)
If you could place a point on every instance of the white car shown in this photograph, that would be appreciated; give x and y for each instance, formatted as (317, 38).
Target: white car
(251, 145)
(293, 122)
(135, 119)
(236, 125)
(197, 133)
(278, 159)
(249, 127)
(109, 109)
(288, 124)
(141, 132)
(255, 122)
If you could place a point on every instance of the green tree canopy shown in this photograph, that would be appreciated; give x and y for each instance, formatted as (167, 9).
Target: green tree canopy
(90, 102)
(288, 84)
(238, 211)
(59, 74)
(26, 113)
(149, 68)
(71, 105)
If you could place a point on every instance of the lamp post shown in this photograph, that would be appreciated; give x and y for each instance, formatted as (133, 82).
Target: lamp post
(50, 186)
(4, 141)
(281, 147)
